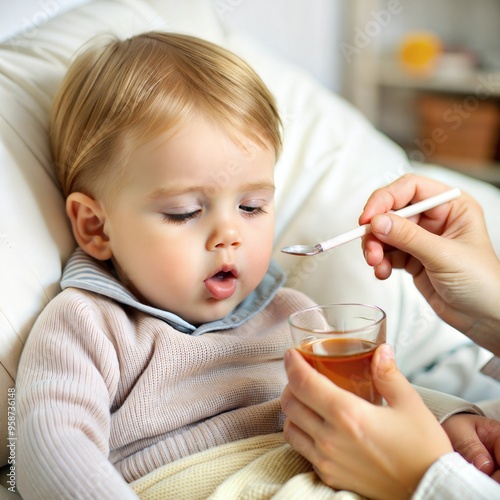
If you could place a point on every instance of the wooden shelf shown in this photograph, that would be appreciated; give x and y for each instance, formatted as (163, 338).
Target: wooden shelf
(380, 87)
(484, 171)
(483, 84)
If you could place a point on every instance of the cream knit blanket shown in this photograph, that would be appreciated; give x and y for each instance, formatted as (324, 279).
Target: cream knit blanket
(258, 468)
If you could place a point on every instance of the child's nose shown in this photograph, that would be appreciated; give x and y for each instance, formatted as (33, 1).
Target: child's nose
(224, 235)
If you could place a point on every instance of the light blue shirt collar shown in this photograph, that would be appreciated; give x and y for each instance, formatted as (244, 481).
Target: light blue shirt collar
(86, 273)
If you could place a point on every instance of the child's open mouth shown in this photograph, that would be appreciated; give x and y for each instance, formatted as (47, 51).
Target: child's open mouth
(222, 284)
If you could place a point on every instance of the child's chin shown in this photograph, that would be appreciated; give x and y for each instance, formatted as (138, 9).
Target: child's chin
(219, 312)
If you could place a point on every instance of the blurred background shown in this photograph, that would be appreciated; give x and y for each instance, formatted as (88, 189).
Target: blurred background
(424, 72)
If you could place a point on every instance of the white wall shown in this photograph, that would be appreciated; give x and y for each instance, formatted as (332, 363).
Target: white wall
(305, 32)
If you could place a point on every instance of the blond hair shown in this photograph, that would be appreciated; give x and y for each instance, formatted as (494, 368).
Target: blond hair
(127, 91)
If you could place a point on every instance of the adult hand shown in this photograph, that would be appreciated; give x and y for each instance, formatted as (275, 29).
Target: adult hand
(447, 250)
(477, 439)
(377, 451)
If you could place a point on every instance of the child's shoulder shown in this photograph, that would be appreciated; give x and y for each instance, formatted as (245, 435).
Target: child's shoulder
(73, 295)
(76, 314)
(76, 304)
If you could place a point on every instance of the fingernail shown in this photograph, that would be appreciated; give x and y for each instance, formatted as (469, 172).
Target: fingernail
(385, 360)
(386, 353)
(381, 224)
(286, 357)
(481, 461)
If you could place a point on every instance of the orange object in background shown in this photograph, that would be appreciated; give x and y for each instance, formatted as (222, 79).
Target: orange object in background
(419, 52)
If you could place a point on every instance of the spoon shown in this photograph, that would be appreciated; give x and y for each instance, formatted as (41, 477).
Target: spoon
(410, 210)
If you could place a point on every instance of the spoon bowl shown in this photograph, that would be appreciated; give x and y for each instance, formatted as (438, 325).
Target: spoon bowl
(302, 249)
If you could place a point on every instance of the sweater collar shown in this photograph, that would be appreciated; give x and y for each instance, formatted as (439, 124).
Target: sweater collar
(86, 273)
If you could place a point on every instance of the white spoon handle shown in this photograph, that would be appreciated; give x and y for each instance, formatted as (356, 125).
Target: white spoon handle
(409, 211)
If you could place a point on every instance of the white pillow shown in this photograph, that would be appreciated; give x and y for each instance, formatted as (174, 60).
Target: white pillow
(23, 18)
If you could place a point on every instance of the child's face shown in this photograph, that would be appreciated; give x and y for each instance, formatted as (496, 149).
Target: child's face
(191, 230)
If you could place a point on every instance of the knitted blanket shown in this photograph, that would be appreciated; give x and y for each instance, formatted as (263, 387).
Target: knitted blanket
(258, 468)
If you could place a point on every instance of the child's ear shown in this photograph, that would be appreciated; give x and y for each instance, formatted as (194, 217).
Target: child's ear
(87, 219)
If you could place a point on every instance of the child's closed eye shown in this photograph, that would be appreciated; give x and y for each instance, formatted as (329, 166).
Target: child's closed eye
(180, 218)
(252, 211)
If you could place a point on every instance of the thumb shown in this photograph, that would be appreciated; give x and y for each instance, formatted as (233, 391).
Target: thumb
(389, 381)
(404, 235)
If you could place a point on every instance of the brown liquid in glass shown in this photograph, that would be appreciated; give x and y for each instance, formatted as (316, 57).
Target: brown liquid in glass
(346, 362)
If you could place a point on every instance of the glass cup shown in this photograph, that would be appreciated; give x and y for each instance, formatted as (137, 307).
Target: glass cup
(339, 340)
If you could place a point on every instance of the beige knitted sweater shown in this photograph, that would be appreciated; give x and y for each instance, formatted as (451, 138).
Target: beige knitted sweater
(107, 393)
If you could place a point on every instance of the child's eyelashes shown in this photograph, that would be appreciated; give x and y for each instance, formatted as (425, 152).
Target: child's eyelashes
(252, 211)
(180, 218)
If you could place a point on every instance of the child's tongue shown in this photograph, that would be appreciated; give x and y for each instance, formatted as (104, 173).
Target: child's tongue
(221, 285)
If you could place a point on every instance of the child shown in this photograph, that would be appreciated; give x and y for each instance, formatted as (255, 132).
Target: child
(169, 334)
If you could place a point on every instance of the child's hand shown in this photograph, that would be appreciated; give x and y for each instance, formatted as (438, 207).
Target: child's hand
(477, 439)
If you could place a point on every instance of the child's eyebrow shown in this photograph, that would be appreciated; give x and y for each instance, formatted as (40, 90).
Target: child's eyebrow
(164, 191)
(258, 186)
